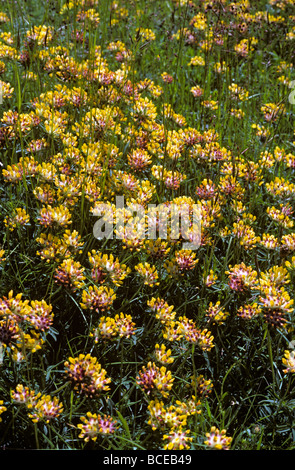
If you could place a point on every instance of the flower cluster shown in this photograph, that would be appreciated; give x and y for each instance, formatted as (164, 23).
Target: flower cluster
(86, 375)
(23, 324)
(218, 440)
(94, 425)
(2, 408)
(40, 407)
(97, 298)
(185, 329)
(105, 267)
(121, 326)
(289, 362)
(110, 99)
(152, 378)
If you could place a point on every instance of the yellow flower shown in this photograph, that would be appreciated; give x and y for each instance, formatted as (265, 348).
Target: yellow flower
(30, 342)
(70, 274)
(272, 111)
(148, 273)
(2, 252)
(3, 17)
(45, 409)
(146, 34)
(245, 46)
(93, 425)
(177, 439)
(2, 409)
(197, 60)
(276, 276)
(281, 216)
(199, 21)
(98, 298)
(217, 439)
(238, 92)
(18, 218)
(210, 104)
(186, 259)
(216, 314)
(162, 355)
(107, 267)
(289, 362)
(91, 15)
(6, 89)
(153, 377)
(245, 234)
(87, 375)
(139, 159)
(120, 326)
(40, 34)
(163, 311)
(55, 215)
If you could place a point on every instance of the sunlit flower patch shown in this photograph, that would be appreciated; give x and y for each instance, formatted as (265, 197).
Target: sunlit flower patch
(120, 326)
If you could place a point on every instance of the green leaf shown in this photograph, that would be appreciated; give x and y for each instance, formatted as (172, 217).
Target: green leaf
(124, 424)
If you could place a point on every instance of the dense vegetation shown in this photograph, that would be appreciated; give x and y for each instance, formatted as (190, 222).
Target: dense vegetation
(136, 342)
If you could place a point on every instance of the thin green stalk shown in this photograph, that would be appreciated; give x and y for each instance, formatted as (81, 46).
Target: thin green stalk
(270, 353)
(36, 436)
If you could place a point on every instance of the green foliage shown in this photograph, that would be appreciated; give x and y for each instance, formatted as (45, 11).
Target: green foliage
(113, 56)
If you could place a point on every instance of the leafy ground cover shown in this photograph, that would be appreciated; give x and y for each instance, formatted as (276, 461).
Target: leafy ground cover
(136, 342)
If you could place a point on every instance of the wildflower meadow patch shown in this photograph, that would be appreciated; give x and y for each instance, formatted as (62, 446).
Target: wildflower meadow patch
(147, 249)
